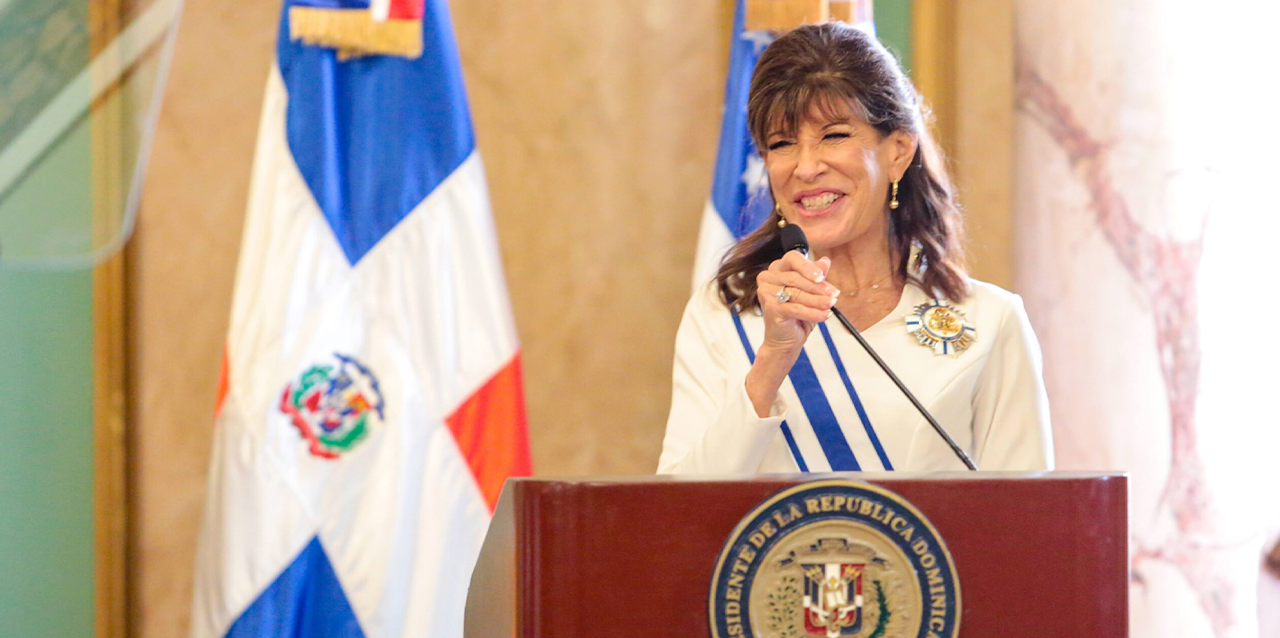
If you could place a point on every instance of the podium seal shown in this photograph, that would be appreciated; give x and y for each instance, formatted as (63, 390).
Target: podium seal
(835, 559)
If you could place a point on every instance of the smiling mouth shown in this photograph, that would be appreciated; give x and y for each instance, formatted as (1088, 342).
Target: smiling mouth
(819, 202)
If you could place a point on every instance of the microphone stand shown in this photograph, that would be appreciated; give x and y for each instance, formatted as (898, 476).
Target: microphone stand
(968, 462)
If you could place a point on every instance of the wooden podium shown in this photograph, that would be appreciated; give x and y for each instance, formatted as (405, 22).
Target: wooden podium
(1038, 555)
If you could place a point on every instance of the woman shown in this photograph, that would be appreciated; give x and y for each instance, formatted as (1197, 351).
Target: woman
(763, 382)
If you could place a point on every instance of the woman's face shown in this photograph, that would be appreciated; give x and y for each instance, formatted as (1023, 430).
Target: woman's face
(831, 177)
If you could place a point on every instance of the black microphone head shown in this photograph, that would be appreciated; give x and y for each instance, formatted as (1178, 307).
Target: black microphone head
(793, 239)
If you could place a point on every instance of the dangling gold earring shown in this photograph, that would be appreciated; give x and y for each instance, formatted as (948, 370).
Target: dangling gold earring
(782, 221)
(893, 202)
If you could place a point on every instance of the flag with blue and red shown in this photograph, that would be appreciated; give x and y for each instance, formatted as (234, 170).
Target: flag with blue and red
(371, 404)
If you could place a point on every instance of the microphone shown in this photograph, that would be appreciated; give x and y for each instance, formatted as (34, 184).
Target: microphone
(793, 239)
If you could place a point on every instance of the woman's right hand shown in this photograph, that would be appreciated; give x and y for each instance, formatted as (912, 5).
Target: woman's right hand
(787, 324)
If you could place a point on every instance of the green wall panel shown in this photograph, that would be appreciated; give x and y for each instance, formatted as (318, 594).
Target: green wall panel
(893, 26)
(46, 455)
(46, 397)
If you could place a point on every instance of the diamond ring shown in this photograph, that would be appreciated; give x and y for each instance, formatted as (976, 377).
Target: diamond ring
(782, 295)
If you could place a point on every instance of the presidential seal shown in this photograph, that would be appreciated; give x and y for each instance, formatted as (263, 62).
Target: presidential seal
(939, 325)
(835, 558)
(333, 405)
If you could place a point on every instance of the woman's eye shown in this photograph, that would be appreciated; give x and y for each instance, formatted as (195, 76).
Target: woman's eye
(779, 144)
(835, 136)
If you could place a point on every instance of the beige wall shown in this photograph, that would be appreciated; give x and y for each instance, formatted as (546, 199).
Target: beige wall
(597, 122)
(963, 65)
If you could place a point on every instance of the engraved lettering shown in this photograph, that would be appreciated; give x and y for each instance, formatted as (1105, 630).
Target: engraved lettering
(935, 576)
(780, 519)
(886, 516)
(811, 504)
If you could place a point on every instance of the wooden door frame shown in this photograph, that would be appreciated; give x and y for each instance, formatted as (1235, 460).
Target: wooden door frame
(110, 497)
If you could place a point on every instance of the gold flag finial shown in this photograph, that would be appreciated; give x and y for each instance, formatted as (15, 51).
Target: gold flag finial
(355, 33)
(784, 15)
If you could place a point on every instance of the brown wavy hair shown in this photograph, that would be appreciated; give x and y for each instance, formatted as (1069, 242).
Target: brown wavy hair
(823, 66)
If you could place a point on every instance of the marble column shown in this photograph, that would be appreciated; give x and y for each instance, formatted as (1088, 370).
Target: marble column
(1145, 228)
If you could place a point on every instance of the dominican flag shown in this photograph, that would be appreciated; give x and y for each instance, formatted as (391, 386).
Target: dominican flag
(371, 404)
(740, 199)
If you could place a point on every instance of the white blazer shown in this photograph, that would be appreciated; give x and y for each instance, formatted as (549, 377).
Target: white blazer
(838, 410)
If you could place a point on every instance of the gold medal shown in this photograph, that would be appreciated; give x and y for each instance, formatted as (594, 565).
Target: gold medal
(939, 325)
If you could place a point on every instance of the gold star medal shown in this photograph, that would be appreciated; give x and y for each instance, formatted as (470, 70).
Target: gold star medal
(939, 325)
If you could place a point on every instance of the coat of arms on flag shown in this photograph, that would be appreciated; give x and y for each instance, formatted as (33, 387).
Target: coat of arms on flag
(334, 405)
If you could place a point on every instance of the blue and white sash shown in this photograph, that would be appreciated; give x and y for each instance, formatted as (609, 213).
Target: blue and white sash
(817, 409)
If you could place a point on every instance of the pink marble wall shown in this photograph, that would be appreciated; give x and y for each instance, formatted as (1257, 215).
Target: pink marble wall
(1140, 232)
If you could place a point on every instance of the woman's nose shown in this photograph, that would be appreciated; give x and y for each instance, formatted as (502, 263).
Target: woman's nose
(809, 164)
